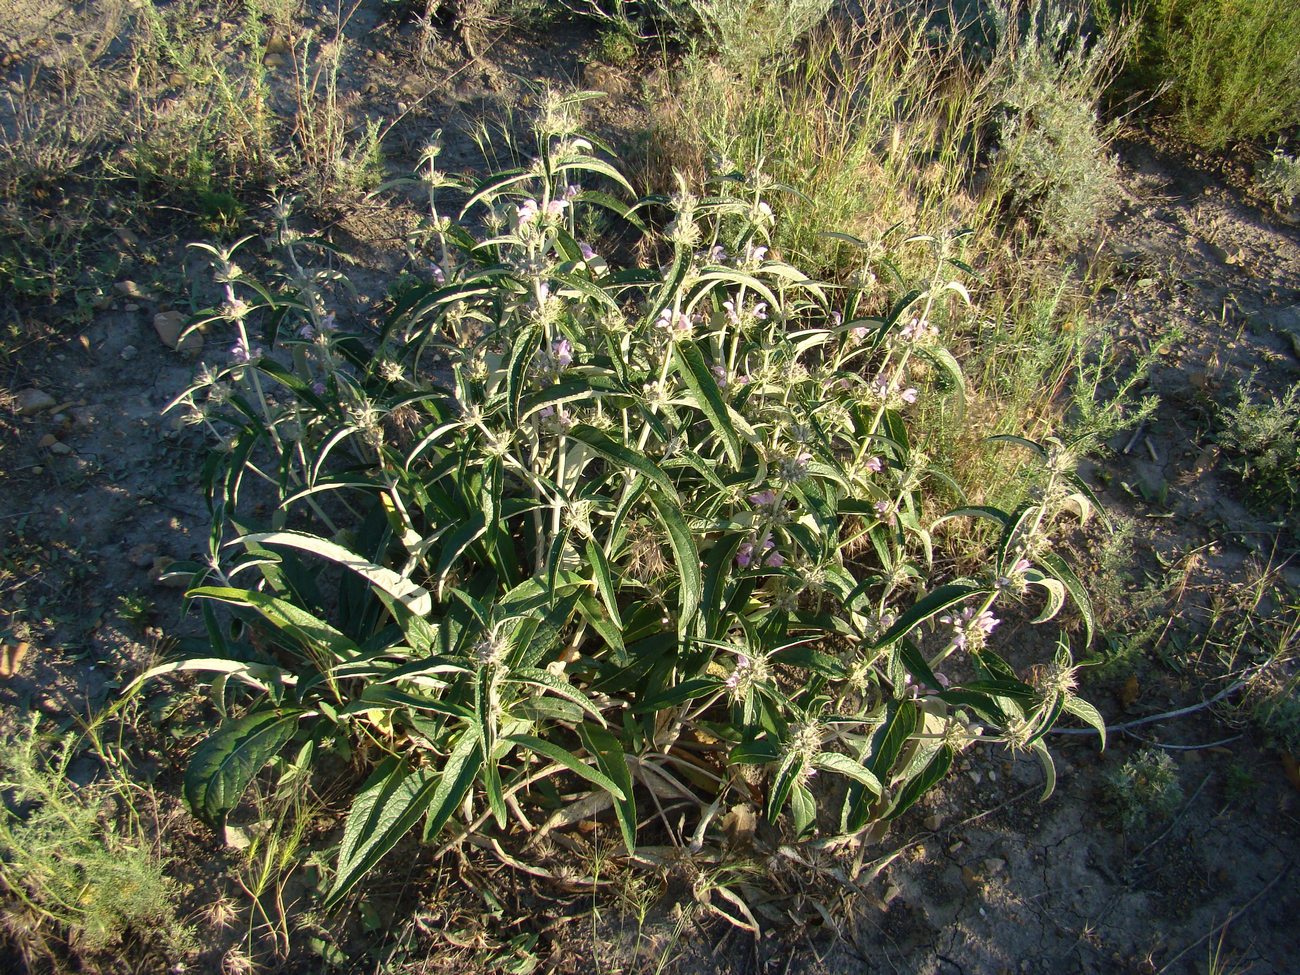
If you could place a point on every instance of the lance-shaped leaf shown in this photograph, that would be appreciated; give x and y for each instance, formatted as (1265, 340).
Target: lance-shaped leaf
(570, 761)
(415, 597)
(388, 806)
(622, 456)
(223, 766)
(686, 556)
(708, 397)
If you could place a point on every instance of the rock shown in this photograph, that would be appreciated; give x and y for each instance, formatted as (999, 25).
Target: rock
(994, 866)
(47, 441)
(131, 306)
(170, 325)
(142, 556)
(11, 658)
(60, 448)
(129, 352)
(933, 822)
(129, 289)
(1285, 319)
(33, 401)
(158, 574)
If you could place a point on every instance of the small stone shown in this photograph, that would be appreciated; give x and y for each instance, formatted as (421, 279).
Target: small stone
(143, 555)
(975, 776)
(237, 838)
(60, 448)
(994, 866)
(37, 471)
(131, 306)
(955, 846)
(47, 441)
(129, 352)
(933, 822)
(128, 288)
(970, 878)
(170, 326)
(33, 401)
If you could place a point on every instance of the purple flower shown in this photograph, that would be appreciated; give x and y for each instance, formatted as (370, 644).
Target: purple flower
(763, 499)
(240, 351)
(438, 274)
(760, 311)
(308, 331)
(718, 254)
(859, 332)
(571, 191)
(908, 395)
(526, 212)
(720, 374)
(775, 560)
(675, 323)
(318, 387)
(556, 208)
(874, 465)
(586, 250)
(562, 352)
(745, 554)
(836, 319)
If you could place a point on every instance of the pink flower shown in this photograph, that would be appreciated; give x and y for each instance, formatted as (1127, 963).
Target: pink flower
(763, 498)
(571, 191)
(874, 465)
(526, 212)
(439, 276)
(745, 554)
(775, 560)
(562, 352)
(556, 208)
(318, 388)
(908, 395)
(586, 250)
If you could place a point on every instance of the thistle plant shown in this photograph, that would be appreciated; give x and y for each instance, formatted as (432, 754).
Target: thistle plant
(565, 527)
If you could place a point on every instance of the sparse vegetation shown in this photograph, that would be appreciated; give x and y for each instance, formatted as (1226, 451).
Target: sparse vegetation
(636, 561)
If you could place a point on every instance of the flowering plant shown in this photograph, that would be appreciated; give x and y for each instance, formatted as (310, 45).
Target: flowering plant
(626, 534)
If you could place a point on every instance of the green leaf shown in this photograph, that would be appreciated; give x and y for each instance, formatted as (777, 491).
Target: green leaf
(226, 762)
(932, 604)
(416, 598)
(686, 556)
(835, 762)
(922, 782)
(457, 776)
(623, 457)
(570, 761)
(388, 806)
(1049, 770)
(695, 373)
(1057, 567)
(1086, 713)
(803, 808)
(604, 580)
(522, 352)
(611, 759)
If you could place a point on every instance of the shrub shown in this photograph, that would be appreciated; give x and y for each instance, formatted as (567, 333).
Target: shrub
(742, 32)
(1279, 179)
(75, 878)
(1230, 69)
(652, 529)
(1052, 159)
(1145, 789)
(1262, 437)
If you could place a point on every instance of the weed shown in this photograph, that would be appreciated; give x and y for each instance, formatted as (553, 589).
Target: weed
(1228, 69)
(71, 866)
(1145, 789)
(684, 491)
(136, 608)
(1277, 712)
(1052, 161)
(1261, 434)
(1279, 179)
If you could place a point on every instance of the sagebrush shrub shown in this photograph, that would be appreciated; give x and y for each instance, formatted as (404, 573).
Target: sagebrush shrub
(1279, 179)
(1261, 434)
(565, 523)
(1053, 161)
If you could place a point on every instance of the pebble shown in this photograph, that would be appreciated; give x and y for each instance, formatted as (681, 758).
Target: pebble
(47, 441)
(60, 448)
(933, 822)
(142, 556)
(994, 865)
(170, 325)
(130, 289)
(955, 846)
(131, 306)
(33, 401)
(129, 352)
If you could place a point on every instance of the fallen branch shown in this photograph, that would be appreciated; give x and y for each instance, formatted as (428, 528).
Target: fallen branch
(1152, 719)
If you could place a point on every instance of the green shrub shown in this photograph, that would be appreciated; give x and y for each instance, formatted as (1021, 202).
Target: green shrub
(1145, 789)
(1278, 715)
(656, 529)
(1279, 179)
(1262, 437)
(75, 874)
(1052, 160)
(1229, 69)
(741, 32)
